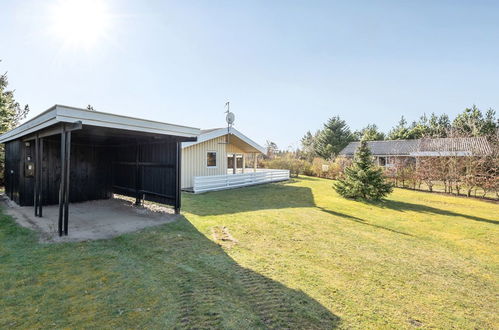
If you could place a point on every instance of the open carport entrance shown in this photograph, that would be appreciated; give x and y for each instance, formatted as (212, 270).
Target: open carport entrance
(75, 162)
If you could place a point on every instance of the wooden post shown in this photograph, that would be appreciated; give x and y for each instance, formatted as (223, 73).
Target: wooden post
(178, 179)
(62, 184)
(244, 163)
(255, 156)
(40, 185)
(35, 194)
(68, 167)
(234, 165)
(138, 179)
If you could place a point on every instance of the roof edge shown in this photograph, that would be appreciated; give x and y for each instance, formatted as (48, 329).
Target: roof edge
(62, 113)
(221, 132)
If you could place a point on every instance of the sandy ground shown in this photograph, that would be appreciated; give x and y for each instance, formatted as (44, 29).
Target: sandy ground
(92, 220)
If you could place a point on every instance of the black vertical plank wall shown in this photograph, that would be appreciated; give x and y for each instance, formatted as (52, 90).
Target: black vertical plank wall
(97, 169)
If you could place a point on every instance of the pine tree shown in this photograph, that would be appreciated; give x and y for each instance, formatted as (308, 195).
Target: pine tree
(363, 179)
(369, 133)
(11, 113)
(332, 138)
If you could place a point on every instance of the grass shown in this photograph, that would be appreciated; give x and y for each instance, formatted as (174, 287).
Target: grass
(280, 255)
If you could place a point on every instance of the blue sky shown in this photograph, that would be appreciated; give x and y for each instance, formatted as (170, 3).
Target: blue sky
(285, 66)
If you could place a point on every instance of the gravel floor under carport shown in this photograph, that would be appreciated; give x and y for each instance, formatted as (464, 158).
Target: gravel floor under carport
(91, 220)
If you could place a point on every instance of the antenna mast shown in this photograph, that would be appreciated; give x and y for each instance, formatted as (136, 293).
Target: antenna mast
(229, 118)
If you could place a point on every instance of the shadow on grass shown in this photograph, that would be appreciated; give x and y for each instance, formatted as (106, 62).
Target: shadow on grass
(360, 220)
(405, 206)
(307, 178)
(254, 198)
(171, 276)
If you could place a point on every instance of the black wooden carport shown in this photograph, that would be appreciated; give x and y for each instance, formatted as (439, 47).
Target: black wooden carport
(69, 155)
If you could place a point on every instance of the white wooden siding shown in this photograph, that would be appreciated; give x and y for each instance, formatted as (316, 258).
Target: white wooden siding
(228, 181)
(194, 159)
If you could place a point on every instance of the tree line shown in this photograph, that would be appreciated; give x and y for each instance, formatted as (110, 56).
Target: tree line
(336, 134)
(471, 175)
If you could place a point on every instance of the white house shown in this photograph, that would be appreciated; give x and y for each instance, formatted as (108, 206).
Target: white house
(223, 158)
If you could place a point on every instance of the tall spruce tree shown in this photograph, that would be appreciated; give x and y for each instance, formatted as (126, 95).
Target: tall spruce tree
(333, 138)
(308, 142)
(363, 179)
(11, 113)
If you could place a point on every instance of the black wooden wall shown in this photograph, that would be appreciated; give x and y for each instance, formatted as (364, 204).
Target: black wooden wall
(13, 170)
(97, 170)
(89, 174)
(148, 167)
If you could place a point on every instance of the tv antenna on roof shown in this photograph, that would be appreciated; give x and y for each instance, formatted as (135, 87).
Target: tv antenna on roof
(229, 118)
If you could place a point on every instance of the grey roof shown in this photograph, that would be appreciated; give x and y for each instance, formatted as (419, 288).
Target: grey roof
(443, 146)
(378, 148)
(425, 147)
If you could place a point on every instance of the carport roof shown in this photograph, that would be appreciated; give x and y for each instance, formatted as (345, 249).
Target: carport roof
(66, 114)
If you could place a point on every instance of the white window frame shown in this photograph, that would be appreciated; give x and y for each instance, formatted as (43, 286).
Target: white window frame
(216, 159)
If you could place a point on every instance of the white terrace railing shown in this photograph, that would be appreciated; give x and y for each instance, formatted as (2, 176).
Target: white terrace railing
(248, 170)
(219, 182)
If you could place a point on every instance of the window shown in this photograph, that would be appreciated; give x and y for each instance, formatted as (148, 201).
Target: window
(211, 159)
(230, 161)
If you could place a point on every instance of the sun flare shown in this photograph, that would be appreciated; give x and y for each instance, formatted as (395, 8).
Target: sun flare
(79, 23)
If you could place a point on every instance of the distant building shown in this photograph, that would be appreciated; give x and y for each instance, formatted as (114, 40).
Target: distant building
(387, 153)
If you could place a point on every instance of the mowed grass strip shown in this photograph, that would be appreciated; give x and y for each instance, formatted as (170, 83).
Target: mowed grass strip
(291, 254)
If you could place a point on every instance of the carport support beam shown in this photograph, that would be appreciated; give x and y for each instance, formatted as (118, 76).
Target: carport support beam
(37, 178)
(40, 184)
(138, 176)
(66, 192)
(62, 184)
(178, 180)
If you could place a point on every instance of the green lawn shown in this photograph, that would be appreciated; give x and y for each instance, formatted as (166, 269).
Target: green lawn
(280, 255)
